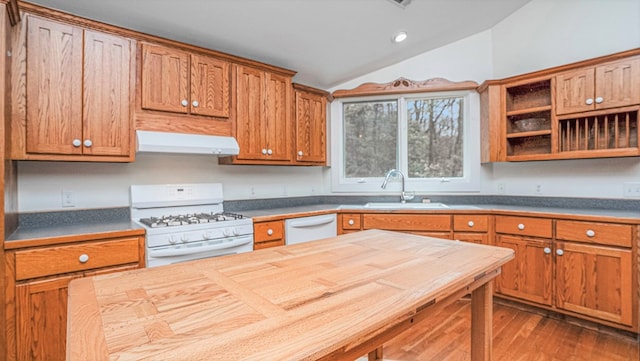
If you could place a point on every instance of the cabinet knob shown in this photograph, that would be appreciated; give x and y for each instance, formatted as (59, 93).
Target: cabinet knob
(184, 102)
(269, 151)
(521, 226)
(84, 258)
(264, 151)
(599, 100)
(470, 224)
(88, 143)
(547, 250)
(588, 101)
(590, 233)
(195, 103)
(300, 153)
(76, 143)
(351, 222)
(270, 232)
(559, 252)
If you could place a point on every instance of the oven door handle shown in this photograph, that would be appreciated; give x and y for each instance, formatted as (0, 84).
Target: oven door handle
(170, 252)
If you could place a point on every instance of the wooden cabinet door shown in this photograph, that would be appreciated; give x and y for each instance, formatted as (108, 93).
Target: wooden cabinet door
(573, 89)
(618, 84)
(54, 87)
(310, 122)
(165, 79)
(209, 86)
(278, 116)
(107, 121)
(596, 281)
(41, 323)
(250, 113)
(529, 275)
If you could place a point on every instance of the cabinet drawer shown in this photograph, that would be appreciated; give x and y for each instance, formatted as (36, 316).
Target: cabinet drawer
(407, 222)
(351, 221)
(268, 231)
(78, 257)
(479, 238)
(470, 222)
(536, 227)
(592, 232)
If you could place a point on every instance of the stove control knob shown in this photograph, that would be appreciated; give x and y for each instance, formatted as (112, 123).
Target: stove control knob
(184, 238)
(172, 240)
(207, 235)
(228, 232)
(235, 232)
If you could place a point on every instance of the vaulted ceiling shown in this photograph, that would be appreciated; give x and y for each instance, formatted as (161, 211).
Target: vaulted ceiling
(326, 41)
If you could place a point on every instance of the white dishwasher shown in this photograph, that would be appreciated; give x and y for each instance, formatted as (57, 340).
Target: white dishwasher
(305, 229)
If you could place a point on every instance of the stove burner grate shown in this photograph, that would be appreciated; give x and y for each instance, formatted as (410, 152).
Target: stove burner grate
(189, 218)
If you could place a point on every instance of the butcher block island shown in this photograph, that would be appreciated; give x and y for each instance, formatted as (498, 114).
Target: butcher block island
(332, 299)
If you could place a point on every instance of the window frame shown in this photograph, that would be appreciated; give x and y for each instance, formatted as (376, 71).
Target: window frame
(469, 182)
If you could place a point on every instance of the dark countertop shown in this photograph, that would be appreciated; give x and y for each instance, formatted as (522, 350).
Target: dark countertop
(310, 210)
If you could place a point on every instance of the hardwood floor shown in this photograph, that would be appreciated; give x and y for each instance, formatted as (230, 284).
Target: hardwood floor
(518, 336)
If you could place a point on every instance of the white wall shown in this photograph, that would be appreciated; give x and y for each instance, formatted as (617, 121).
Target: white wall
(103, 185)
(546, 33)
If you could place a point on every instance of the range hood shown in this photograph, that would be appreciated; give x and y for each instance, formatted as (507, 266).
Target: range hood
(164, 142)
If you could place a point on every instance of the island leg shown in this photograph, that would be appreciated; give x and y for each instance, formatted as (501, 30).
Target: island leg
(482, 322)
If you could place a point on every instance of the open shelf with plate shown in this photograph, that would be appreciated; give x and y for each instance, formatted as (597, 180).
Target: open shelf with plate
(528, 118)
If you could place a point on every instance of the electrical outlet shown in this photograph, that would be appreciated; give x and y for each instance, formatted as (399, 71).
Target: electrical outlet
(538, 189)
(632, 189)
(502, 188)
(68, 199)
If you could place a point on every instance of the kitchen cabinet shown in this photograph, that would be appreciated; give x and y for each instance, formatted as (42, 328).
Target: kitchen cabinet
(349, 222)
(268, 234)
(433, 225)
(594, 270)
(77, 93)
(310, 125)
(474, 228)
(180, 82)
(529, 275)
(37, 279)
(609, 85)
(263, 116)
(587, 109)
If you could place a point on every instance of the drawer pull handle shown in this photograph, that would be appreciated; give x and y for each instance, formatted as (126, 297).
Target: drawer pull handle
(270, 232)
(470, 223)
(521, 226)
(559, 252)
(84, 258)
(547, 250)
(591, 233)
(351, 222)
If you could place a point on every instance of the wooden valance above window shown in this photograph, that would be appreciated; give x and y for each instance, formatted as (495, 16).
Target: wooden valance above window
(403, 85)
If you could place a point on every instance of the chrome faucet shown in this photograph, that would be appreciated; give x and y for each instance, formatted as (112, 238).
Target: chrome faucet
(404, 196)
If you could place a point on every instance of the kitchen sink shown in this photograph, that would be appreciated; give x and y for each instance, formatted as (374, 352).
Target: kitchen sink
(390, 205)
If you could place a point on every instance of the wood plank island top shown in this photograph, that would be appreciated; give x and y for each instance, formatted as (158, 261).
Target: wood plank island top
(336, 298)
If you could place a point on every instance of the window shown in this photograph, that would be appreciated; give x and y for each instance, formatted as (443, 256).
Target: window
(433, 139)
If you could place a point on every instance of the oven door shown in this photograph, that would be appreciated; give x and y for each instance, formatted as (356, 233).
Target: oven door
(160, 256)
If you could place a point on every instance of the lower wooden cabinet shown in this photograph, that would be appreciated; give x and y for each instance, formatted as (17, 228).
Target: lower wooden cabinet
(473, 228)
(596, 281)
(431, 225)
(268, 234)
(529, 275)
(37, 305)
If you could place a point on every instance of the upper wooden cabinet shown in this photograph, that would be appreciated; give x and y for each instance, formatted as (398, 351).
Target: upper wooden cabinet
(77, 93)
(310, 125)
(181, 82)
(583, 110)
(262, 116)
(610, 85)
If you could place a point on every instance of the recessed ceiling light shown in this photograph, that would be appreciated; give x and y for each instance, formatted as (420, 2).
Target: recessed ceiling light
(399, 37)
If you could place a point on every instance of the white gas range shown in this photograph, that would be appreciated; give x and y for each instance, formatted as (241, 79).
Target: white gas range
(187, 221)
